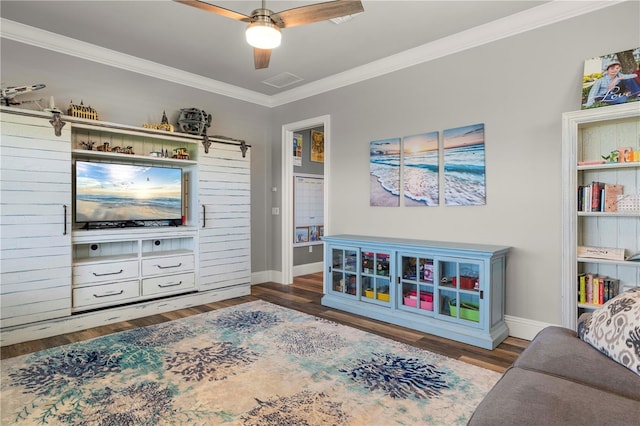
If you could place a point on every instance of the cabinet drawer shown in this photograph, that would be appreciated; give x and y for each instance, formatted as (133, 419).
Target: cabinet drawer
(105, 294)
(90, 273)
(168, 284)
(167, 265)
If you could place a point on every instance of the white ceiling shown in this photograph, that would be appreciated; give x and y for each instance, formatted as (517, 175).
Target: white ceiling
(212, 51)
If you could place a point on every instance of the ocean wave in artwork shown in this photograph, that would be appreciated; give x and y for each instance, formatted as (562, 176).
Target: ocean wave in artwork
(388, 177)
(421, 185)
(465, 175)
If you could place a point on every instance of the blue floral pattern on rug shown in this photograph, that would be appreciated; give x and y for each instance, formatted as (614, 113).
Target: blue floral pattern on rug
(72, 368)
(158, 336)
(215, 362)
(247, 321)
(310, 341)
(251, 364)
(143, 403)
(399, 377)
(297, 410)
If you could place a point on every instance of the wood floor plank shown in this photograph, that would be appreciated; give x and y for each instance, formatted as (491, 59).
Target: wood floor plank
(304, 295)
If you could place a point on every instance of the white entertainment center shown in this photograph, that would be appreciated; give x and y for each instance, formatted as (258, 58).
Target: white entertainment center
(60, 276)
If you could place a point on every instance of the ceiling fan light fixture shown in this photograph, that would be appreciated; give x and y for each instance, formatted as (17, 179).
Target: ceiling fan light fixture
(263, 34)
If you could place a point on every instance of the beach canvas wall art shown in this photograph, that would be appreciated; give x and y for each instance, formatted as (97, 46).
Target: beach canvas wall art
(384, 170)
(420, 169)
(464, 166)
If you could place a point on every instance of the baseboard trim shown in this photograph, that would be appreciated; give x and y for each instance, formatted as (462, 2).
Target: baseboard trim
(524, 328)
(276, 276)
(308, 268)
(265, 277)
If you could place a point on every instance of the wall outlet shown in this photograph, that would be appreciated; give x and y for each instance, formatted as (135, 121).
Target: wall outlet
(310, 249)
(275, 211)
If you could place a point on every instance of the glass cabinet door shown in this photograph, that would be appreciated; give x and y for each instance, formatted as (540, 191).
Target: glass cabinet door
(374, 280)
(344, 271)
(416, 283)
(459, 291)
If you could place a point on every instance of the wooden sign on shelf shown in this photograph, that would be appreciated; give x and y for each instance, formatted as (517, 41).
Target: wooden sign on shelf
(601, 253)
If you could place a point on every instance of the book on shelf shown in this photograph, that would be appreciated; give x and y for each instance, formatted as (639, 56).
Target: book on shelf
(595, 289)
(611, 193)
(582, 290)
(599, 197)
(596, 196)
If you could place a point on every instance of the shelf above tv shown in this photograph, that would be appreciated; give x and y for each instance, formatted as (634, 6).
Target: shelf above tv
(106, 143)
(84, 153)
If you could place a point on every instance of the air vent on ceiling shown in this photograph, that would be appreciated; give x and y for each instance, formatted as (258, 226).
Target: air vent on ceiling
(343, 19)
(282, 80)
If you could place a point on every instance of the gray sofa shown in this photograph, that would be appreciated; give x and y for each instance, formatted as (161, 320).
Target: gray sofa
(561, 380)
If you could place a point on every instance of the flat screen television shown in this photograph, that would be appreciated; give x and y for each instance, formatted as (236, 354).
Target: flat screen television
(127, 194)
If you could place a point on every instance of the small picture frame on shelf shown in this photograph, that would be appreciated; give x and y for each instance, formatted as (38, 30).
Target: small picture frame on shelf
(302, 234)
(313, 234)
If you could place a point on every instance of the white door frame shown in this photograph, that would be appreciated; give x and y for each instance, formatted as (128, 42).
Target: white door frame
(287, 188)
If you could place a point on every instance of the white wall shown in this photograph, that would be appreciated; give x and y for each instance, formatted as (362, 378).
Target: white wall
(517, 87)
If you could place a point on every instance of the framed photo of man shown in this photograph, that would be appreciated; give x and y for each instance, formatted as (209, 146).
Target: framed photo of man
(611, 79)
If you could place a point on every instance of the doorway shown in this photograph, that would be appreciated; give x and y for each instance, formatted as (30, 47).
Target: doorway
(287, 211)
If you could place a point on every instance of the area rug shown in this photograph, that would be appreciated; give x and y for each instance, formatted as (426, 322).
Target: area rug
(252, 364)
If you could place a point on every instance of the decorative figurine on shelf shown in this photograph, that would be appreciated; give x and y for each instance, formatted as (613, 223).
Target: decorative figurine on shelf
(181, 153)
(104, 147)
(194, 121)
(52, 106)
(164, 125)
(612, 157)
(87, 145)
(9, 93)
(81, 111)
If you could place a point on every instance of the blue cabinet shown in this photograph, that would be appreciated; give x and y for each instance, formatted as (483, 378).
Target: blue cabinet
(452, 290)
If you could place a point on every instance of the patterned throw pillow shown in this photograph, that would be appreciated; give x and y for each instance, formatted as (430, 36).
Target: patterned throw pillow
(614, 329)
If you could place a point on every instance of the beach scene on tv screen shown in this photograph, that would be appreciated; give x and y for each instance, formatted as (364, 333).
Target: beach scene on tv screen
(119, 192)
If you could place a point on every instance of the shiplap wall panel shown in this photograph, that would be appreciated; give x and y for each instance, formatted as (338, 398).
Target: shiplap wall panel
(35, 252)
(40, 281)
(225, 232)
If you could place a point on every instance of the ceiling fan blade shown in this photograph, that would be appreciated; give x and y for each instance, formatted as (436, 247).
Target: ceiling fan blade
(316, 12)
(216, 9)
(261, 58)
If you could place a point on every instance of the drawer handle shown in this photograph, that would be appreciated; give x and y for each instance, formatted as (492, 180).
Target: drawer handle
(108, 273)
(169, 285)
(108, 294)
(64, 219)
(170, 266)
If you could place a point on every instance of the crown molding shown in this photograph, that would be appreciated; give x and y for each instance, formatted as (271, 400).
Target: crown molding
(537, 17)
(55, 42)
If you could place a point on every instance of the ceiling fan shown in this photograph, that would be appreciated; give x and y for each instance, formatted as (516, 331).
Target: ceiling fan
(263, 32)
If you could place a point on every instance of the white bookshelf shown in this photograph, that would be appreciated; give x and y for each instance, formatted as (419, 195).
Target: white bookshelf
(587, 136)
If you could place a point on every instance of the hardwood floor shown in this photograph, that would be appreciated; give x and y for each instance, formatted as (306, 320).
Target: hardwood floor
(304, 295)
